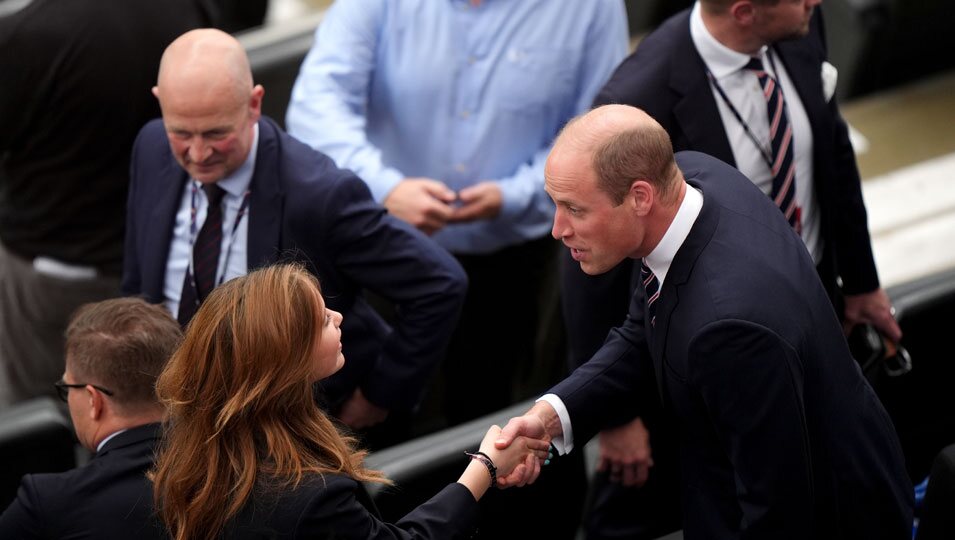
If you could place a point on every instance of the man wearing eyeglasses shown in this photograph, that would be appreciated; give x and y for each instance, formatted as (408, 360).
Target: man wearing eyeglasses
(115, 350)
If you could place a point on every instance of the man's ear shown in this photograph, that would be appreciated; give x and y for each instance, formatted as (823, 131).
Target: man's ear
(97, 402)
(255, 102)
(641, 196)
(742, 12)
(155, 91)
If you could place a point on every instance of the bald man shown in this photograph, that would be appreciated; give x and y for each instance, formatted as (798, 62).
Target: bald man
(277, 199)
(780, 435)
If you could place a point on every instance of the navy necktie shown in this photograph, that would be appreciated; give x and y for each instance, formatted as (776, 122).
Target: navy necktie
(783, 166)
(205, 257)
(652, 287)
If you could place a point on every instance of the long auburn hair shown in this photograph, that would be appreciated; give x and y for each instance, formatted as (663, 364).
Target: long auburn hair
(241, 411)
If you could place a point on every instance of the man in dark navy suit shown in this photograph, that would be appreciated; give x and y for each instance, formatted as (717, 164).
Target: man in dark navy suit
(115, 350)
(694, 75)
(780, 435)
(276, 198)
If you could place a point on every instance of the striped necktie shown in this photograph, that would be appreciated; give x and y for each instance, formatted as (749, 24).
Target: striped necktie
(205, 257)
(783, 166)
(652, 287)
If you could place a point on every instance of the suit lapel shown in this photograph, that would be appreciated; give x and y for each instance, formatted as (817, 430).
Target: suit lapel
(157, 233)
(265, 200)
(679, 273)
(696, 111)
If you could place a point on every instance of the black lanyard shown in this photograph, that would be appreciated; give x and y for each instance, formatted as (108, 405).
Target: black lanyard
(767, 155)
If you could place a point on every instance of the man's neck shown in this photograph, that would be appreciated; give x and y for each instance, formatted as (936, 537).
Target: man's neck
(120, 423)
(660, 223)
(722, 27)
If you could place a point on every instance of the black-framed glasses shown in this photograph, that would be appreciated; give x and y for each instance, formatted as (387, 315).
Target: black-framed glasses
(63, 389)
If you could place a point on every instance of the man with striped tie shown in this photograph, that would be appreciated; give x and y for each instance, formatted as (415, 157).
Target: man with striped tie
(780, 435)
(745, 81)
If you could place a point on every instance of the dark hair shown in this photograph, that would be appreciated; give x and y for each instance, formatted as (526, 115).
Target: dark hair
(122, 345)
(640, 153)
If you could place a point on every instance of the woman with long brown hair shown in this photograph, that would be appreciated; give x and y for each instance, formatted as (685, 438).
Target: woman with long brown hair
(247, 453)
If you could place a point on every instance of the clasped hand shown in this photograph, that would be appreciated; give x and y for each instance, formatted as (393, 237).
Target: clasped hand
(522, 453)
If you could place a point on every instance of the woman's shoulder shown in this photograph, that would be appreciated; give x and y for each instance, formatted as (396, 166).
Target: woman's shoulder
(277, 508)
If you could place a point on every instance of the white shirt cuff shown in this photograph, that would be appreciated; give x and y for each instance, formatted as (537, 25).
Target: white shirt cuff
(564, 443)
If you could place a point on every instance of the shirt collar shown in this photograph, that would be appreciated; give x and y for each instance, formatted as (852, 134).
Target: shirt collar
(660, 258)
(720, 59)
(108, 438)
(237, 183)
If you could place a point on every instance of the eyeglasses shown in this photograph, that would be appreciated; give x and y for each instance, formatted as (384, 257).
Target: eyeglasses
(63, 389)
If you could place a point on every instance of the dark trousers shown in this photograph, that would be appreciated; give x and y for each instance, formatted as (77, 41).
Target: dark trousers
(497, 335)
(35, 308)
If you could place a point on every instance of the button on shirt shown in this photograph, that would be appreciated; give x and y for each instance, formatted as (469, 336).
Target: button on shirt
(234, 246)
(744, 91)
(456, 92)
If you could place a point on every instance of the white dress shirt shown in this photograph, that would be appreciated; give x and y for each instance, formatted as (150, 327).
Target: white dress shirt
(743, 90)
(234, 243)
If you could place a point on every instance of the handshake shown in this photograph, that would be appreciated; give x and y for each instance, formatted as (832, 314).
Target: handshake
(513, 456)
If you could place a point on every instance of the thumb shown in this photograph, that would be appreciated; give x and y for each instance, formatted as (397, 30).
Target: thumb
(508, 434)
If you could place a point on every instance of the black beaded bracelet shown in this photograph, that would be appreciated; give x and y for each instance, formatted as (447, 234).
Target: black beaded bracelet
(486, 460)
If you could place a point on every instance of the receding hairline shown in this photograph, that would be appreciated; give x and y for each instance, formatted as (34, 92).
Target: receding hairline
(589, 131)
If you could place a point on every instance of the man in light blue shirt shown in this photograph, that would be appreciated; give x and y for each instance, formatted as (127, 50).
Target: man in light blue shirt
(447, 110)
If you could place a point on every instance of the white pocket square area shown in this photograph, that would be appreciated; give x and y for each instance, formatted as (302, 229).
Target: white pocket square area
(829, 77)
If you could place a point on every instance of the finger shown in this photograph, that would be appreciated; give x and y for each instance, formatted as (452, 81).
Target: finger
(616, 473)
(889, 327)
(511, 430)
(471, 193)
(518, 475)
(641, 476)
(468, 212)
(530, 469)
(440, 191)
(538, 445)
(629, 475)
(603, 464)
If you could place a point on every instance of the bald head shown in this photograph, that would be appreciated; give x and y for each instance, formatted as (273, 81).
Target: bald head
(204, 61)
(624, 144)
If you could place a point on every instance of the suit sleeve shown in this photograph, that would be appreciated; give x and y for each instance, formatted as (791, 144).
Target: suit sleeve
(751, 382)
(336, 513)
(132, 280)
(608, 389)
(423, 281)
(329, 101)
(23, 519)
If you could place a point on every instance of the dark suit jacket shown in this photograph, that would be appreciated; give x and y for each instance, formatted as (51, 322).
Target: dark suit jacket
(331, 508)
(666, 77)
(303, 207)
(780, 435)
(107, 498)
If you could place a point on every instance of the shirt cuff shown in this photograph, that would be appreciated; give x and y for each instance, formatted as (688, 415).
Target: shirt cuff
(384, 182)
(564, 443)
